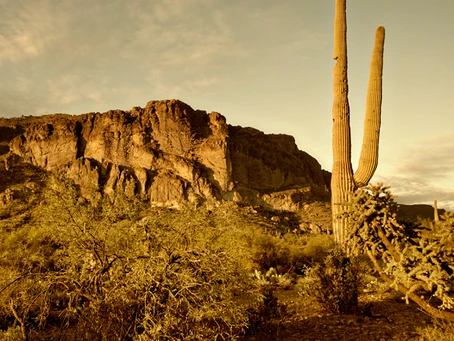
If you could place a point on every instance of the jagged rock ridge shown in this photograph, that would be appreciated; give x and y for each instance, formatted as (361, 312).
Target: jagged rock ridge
(167, 153)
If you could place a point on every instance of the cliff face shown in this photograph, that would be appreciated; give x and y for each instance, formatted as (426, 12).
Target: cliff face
(167, 153)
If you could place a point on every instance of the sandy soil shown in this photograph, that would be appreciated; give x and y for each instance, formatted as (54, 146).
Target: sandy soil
(387, 317)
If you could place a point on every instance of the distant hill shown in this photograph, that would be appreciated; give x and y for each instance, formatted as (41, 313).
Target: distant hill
(413, 212)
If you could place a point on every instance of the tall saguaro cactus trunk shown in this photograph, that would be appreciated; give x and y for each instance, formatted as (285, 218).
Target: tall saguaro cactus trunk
(344, 180)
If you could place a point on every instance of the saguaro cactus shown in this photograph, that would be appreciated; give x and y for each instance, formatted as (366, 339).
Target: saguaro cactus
(343, 179)
(436, 216)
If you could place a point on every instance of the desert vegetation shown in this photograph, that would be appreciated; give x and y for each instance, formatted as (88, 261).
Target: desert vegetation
(413, 259)
(123, 270)
(74, 269)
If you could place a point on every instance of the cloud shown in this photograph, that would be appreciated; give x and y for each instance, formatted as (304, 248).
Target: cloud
(180, 44)
(418, 191)
(432, 160)
(19, 97)
(168, 88)
(27, 29)
(185, 33)
(424, 173)
(78, 54)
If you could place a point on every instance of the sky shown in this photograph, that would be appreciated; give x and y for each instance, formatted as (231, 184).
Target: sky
(265, 64)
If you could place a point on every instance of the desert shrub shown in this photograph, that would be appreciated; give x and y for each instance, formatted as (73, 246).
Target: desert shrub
(287, 252)
(27, 249)
(273, 251)
(273, 278)
(125, 271)
(318, 247)
(333, 283)
(438, 332)
(264, 314)
(415, 261)
(11, 334)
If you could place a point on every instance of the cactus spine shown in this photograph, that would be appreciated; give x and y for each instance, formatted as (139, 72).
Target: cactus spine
(343, 179)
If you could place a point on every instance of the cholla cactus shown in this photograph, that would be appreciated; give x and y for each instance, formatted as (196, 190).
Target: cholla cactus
(414, 261)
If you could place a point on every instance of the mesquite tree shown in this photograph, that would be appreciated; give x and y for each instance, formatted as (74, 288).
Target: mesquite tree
(344, 180)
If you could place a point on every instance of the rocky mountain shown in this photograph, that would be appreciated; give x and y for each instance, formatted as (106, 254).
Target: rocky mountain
(166, 153)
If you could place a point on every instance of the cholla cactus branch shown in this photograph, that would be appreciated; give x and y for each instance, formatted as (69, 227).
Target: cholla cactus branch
(444, 315)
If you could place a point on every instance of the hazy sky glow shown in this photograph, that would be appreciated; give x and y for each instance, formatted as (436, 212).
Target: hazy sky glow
(261, 63)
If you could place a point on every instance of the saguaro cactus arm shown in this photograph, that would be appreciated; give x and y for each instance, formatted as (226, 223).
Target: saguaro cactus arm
(369, 154)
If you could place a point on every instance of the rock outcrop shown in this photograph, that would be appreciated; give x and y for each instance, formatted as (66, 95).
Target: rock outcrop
(167, 153)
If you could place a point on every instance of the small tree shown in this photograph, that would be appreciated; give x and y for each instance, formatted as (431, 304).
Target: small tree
(343, 180)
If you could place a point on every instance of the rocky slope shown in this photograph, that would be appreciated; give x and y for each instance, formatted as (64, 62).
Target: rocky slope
(167, 153)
